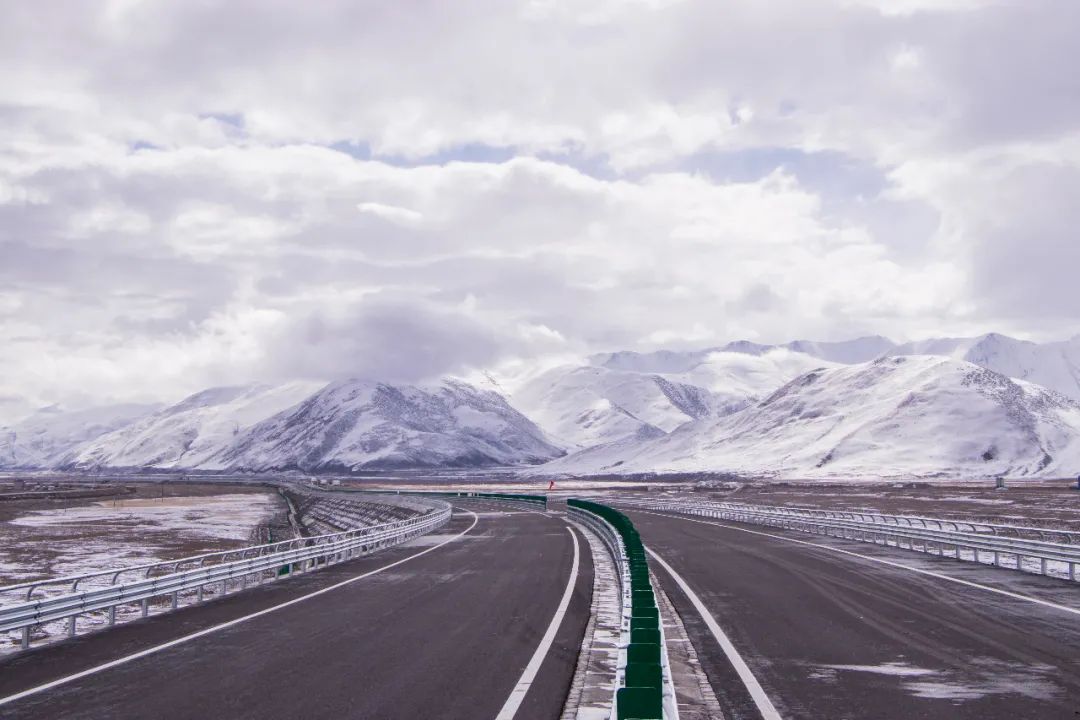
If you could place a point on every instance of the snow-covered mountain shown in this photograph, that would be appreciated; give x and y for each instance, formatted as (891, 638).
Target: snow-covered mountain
(185, 435)
(866, 406)
(582, 406)
(744, 376)
(849, 352)
(1053, 365)
(897, 416)
(634, 395)
(48, 436)
(357, 424)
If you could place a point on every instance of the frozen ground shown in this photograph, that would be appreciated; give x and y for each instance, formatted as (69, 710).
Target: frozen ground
(108, 534)
(84, 538)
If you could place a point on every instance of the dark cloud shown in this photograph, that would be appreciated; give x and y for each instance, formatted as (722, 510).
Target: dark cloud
(382, 338)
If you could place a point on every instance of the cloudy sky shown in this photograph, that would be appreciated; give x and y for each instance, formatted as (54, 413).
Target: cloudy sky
(197, 193)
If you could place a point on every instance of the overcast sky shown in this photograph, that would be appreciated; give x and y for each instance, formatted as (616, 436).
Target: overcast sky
(199, 193)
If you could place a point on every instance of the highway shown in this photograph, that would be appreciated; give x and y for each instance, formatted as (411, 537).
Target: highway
(833, 635)
(485, 618)
(442, 627)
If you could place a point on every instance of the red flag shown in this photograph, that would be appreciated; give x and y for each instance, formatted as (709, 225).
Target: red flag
(551, 485)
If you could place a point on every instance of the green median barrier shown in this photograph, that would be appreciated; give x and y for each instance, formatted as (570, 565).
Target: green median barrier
(645, 636)
(643, 653)
(645, 612)
(639, 703)
(649, 675)
(641, 697)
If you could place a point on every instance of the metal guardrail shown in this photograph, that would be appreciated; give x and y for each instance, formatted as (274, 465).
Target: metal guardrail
(959, 525)
(973, 546)
(257, 563)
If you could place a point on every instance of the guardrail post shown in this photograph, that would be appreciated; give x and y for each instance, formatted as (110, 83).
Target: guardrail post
(71, 626)
(145, 607)
(26, 637)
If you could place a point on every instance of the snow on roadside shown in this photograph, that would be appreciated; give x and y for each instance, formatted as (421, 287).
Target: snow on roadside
(227, 517)
(115, 534)
(107, 535)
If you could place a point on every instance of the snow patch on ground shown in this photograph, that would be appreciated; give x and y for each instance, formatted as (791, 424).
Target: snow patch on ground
(980, 678)
(226, 517)
(107, 535)
(899, 669)
(112, 535)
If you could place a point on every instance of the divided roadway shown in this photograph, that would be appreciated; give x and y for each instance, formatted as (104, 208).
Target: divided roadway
(831, 635)
(443, 626)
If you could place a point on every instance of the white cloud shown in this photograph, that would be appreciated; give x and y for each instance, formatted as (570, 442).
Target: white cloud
(655, 173)
(393, 213)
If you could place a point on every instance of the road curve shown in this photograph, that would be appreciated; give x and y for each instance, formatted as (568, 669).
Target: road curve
(833, 636)
(445, 634)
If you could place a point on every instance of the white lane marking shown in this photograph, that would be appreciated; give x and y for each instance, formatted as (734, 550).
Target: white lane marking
(890, 563)
(517, 695)
(757, 693)
(187, 638)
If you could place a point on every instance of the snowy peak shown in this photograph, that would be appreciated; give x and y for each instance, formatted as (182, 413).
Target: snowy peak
(622, 395)
(589, 405)
(186, 434)
(49, 435)
(898, 416)
(357, 424)
(1052, 365)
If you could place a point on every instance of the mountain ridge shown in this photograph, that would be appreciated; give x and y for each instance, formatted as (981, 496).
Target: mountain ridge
(600, 412)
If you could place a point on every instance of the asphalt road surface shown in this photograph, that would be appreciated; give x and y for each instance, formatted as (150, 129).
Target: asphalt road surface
(832, 636)
(446, 634)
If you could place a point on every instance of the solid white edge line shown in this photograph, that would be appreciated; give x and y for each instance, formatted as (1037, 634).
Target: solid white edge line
(757, 693)
(207, 631)
(890, 563)
(517, 695)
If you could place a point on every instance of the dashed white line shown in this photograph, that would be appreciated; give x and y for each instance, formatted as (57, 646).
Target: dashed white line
(757, 693)
(193, 636)
(517, 695)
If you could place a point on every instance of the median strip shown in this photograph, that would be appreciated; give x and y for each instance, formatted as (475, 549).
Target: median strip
(644, 689)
